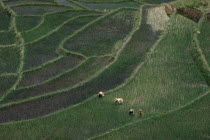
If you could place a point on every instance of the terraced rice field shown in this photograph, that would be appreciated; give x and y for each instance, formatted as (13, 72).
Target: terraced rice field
(57, 55)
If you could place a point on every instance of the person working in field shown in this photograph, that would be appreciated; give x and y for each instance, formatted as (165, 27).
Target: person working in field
(140, 112)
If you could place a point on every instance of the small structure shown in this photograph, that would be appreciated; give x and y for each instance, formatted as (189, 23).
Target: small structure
(101, 94)
(169, 9)
(131, 112)
(140, 112)
(118, 101)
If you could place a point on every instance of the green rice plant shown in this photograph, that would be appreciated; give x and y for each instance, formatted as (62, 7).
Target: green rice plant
(37, 9)
(49, 71)
(109, 6)
(204, 39)
(18, 2)
(52, 22)
(46, 0)
(102, 1)
(20, 46)
(67, 3)
(109, 30)
(66, 80)
(9, 59)
(166, 80)
(158, 72)
(75, 3)
(4, 20)
(111, 77)
(6, 83)
(200, 60)
(7, 38)
(190, 122)
(42, 51)
(52, 1)
(200, 52)
(25, 23)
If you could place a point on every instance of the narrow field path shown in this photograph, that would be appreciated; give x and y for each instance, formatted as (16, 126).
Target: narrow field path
(21, 46)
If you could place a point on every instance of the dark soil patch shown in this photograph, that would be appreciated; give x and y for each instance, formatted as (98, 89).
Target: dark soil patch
(190, 13)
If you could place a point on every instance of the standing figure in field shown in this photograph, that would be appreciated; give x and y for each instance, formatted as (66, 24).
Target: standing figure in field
(140, 112)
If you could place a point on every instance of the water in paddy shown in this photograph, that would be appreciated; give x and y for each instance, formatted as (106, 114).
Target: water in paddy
(66, 3)
(109, 5)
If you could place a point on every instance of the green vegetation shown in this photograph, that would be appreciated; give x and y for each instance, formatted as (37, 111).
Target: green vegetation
(65, 80)
(159, 89)
(51, 22)
(5, 20)
(9, 59)
(108, 31)
(49, 71)
(189, 122)
(204, 39)
(25, 23)
(109, 6)
(67, 3)
(57, 55)
(7, 38)
(17, 2)
(42, 51)
(37, 9)
(102, 1)
(31, 0)
(6, 83)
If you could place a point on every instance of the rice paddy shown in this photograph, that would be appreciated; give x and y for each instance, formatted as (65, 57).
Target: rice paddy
(57, 55)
